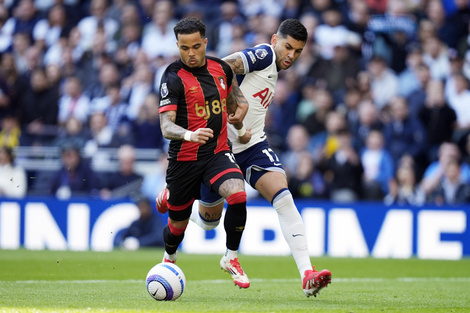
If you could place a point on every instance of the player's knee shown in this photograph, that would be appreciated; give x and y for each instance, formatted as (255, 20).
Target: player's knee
(177, 230)
(282, 195)
(210, 218)
(209, 225)
(284, 203)
(237, 198)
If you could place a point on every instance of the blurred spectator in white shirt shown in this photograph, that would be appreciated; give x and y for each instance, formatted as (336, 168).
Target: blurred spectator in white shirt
(384, 82)
(47, 31)
(158, 38)
(268, 7)
(331, 33)
(97, 20)
(5, 31)
(101, 133)
(21, 47)
(73, 102)
(13, 183)
(404, 190)
(435, 56)
(24, 17)
(136, 87)
(113, 105)
(459, 100)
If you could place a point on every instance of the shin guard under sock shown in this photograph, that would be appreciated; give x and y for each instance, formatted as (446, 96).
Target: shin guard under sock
(173, 237)
(293, 229)
(235, 219)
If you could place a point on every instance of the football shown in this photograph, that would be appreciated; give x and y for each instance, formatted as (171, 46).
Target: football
(165, 282)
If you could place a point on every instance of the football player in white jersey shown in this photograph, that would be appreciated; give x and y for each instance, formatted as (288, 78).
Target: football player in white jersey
(257, 71)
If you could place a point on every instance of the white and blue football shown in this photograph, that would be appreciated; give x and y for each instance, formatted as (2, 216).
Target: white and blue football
(165, 282)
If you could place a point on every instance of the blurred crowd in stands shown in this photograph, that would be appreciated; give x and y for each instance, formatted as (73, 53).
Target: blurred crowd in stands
(377, 107)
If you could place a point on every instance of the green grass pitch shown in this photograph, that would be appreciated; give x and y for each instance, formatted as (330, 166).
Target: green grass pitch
(65, 281)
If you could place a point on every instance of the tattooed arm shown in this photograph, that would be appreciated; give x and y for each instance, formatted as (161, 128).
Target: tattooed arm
(233, 110)
(237, 105)
(172, 131)
(240, 105)
(236, 63)
(237, 116)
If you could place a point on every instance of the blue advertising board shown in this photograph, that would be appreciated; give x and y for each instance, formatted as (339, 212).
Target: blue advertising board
(337, 230)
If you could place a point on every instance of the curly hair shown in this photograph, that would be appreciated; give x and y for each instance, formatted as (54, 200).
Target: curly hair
(188, 26)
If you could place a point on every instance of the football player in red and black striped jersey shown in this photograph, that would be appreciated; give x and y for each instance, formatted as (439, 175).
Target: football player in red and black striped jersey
(196, 98)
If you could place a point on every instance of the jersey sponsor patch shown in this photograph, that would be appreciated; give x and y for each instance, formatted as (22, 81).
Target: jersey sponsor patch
(252, 57)
(164, 91)
(165, 102)
(261, 53)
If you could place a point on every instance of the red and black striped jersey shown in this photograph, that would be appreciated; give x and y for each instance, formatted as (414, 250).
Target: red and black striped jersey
(199, 97)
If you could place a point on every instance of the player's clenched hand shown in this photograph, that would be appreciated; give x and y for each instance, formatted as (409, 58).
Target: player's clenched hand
(246, 137)
(202, 135)
(236, 117)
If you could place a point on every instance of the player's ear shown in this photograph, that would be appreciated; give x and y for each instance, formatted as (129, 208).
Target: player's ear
(274, 39)
(205, 42)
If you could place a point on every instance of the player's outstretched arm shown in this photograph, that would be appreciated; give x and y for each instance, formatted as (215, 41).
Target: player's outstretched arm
(172, 131)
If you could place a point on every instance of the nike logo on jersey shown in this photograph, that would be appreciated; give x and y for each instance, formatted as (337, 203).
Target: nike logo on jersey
(270, 76)
(296, 235)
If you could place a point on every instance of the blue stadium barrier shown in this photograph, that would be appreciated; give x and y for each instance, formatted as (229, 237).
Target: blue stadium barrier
(337, 230)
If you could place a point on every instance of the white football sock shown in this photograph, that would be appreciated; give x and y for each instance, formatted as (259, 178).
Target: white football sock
(293, 229)
(231, 254)
(171, 257)
(196, 218)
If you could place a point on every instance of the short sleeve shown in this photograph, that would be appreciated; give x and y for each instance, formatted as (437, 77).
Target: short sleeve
(170, 91)
(257, 58)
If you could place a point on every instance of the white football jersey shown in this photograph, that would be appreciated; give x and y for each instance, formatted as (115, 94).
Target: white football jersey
(257, 84)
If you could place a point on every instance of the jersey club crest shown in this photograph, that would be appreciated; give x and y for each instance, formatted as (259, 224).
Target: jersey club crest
(261, 53)
(221, 81)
